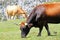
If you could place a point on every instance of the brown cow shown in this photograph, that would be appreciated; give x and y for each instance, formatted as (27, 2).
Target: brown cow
(40, 16)
(15, 10)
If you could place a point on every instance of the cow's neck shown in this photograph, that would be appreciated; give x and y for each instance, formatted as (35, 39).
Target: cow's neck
(32, 18)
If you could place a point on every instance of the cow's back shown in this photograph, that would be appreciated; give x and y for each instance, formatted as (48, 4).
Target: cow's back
(51, 9)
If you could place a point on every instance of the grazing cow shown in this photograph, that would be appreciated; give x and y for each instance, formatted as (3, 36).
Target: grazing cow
(15, 10)
(40, 16)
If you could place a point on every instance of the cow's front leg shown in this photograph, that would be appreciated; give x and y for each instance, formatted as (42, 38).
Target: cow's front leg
(47, 28)
(40, 30)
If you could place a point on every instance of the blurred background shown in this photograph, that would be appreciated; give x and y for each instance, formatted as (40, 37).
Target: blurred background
(25, 4)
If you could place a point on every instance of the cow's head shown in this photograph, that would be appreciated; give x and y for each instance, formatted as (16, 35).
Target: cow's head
(25, 28)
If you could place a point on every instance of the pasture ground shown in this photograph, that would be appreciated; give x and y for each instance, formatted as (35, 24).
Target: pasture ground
(10, 31)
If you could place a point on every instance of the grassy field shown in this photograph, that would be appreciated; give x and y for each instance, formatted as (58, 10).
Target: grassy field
(10, 31)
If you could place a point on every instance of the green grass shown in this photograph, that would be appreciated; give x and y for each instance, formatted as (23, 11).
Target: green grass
(10, 31)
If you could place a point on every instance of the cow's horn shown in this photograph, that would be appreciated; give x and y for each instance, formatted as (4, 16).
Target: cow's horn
(25, 23)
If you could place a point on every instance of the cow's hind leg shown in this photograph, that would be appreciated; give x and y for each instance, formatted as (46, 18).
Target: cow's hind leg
(47, 28)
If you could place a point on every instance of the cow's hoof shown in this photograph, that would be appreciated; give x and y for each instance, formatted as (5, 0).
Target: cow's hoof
(49, 34)
(38, 35)
(23, 36)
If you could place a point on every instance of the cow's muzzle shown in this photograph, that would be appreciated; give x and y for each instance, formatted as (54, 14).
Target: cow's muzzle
(23, 36)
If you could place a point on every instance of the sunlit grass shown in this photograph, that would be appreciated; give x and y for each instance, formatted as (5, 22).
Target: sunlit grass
(10, 31)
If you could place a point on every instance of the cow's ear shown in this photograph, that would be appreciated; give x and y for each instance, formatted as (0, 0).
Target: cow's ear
(29, 25)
